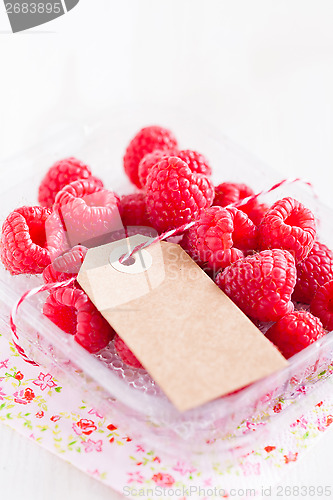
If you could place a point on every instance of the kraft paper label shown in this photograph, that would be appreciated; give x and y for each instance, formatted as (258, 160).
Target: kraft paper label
(191, 338)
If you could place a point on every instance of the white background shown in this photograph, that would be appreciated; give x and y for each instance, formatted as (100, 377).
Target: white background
(260, 71)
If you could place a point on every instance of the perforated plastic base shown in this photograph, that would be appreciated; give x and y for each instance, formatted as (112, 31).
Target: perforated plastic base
(135, 377)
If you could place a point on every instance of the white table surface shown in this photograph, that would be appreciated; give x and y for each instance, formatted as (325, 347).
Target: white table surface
(260, 71)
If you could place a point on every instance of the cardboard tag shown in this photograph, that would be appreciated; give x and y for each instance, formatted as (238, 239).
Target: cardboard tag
(192, 339)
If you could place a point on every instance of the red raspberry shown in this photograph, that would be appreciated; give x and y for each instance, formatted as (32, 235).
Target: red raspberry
(322, 305)
(294, 332)
(72, 311)
(217, 230)
(254, 210)
(23, 246)
(261, 285)
(87, 211)
(175, 194)
(133, 210)
(313, 272)
(231, 192)
(66, 266)
(209, 241)
(149, 160)
(288, 225)
(196, 161)
(147, 140)
(58, 176)
(125, 353)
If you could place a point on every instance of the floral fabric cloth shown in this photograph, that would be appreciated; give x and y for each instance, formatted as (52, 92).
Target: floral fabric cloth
(47, 411)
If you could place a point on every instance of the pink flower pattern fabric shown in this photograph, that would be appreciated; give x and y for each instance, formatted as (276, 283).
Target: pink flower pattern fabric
(64, 422)
(44, 381)
(4, 363)
(91, 445)
(2, 394)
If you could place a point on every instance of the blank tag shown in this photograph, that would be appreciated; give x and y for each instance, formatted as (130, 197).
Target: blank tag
(192, 339)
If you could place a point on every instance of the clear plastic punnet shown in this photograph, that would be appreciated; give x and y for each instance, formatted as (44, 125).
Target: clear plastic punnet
(226, 427)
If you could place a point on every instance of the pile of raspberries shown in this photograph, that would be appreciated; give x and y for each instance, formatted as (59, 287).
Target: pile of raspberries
(264, 258)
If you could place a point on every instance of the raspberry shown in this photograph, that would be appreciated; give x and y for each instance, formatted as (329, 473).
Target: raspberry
(23, 246)
(149, 160)
(288, 225)
(175, 194)
(133, 210)
(146, 141)
(72, 311)
(125, 353)
(87, 211)
(313, 272)
(261, 285)
(217, 230)
(322, 305)
(196, 161)
(294, 332)
(231, 192)
(254, 210)
(209, 241)
(58, 176)
(66, 266)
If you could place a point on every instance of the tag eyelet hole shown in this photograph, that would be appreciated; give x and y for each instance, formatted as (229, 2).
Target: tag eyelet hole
(137, 263)
(128, 262)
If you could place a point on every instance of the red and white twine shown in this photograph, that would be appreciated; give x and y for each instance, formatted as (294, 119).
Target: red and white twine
(185, 227)
(13, 315)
